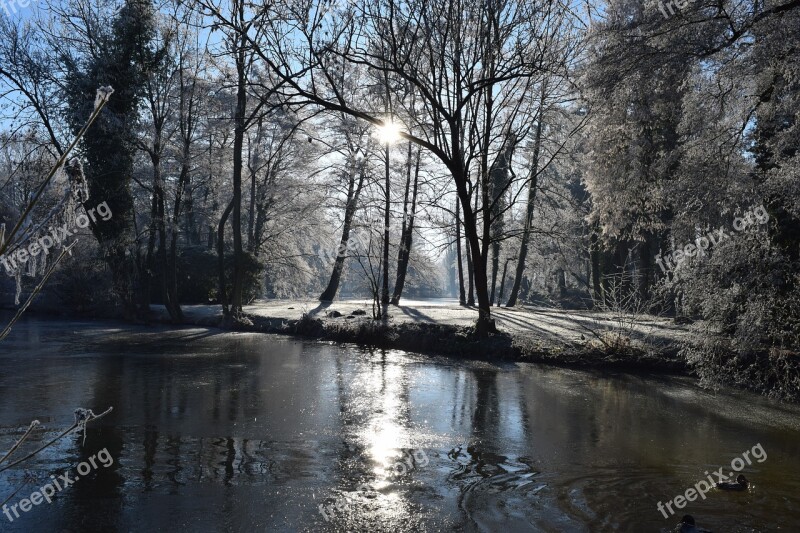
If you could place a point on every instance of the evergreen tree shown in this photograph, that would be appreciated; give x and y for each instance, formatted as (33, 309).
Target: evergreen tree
(122, 57)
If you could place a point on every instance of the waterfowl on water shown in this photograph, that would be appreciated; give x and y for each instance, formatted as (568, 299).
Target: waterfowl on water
(740, 484)
(687, 526)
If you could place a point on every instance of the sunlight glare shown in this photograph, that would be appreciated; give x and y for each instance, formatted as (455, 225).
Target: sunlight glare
(389, 132)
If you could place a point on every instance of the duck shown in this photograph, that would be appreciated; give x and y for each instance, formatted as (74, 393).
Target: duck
(687, 525)
(740, 484)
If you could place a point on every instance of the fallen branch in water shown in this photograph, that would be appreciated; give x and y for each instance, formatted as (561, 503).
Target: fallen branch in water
(82, 417)
(33, 425)
(28, 479)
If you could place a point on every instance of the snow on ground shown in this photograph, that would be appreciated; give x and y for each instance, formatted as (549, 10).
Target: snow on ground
(550, 324)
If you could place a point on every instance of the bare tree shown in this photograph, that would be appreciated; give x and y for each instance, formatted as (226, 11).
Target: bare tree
(466, 63)
(354, 172)
(407, 230)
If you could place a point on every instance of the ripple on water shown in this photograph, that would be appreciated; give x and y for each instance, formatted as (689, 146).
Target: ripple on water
(496, 488)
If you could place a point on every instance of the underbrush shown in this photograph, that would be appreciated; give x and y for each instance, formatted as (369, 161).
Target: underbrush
(612, 351)
(772, 372)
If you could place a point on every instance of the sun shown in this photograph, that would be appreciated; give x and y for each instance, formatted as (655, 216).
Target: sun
(388, 132)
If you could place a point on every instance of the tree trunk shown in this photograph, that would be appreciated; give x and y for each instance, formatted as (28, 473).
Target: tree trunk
(147, 269)
(480, 247)
(479, 257)
(157, 230)
(526, 232)
(561, 282)
(254, 160)
(238, 146)
(502, 283)
(387, 206)
(495, 267)
(190, 229)
(211, 241)
(484, 324)
(162, 250)
(187, 129)
(461, 296)
(183, 183)
(470, 274)
(353, 193)
(644, 268)
(222, 295)
(499, 182)
(407, 233)
(595, 256)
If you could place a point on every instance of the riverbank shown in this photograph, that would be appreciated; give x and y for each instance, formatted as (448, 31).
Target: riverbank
(532, 334)
(576, 339)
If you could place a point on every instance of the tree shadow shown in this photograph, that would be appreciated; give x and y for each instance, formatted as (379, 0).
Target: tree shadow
(415, 314)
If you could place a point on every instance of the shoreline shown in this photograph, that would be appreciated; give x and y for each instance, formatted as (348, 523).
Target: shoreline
(448, 340)
(642, 344)
(442, 331)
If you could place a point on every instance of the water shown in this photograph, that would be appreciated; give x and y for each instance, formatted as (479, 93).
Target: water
(217, 431)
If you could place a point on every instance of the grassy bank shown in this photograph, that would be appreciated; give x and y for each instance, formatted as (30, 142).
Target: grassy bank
(556, 337)
(460, 342)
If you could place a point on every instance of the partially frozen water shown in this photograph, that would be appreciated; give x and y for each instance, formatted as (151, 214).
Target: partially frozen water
(217, 431)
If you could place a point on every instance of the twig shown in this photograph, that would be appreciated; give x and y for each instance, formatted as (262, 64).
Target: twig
(34, 424)
(36, 291)
(99, 104)
(27, 480)
(80, 422)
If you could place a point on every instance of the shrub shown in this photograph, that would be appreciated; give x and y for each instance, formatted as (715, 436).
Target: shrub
(198, 276)
(83, 285)
(747, 293)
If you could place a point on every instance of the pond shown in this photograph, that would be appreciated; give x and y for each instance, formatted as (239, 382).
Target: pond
(216, 431)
